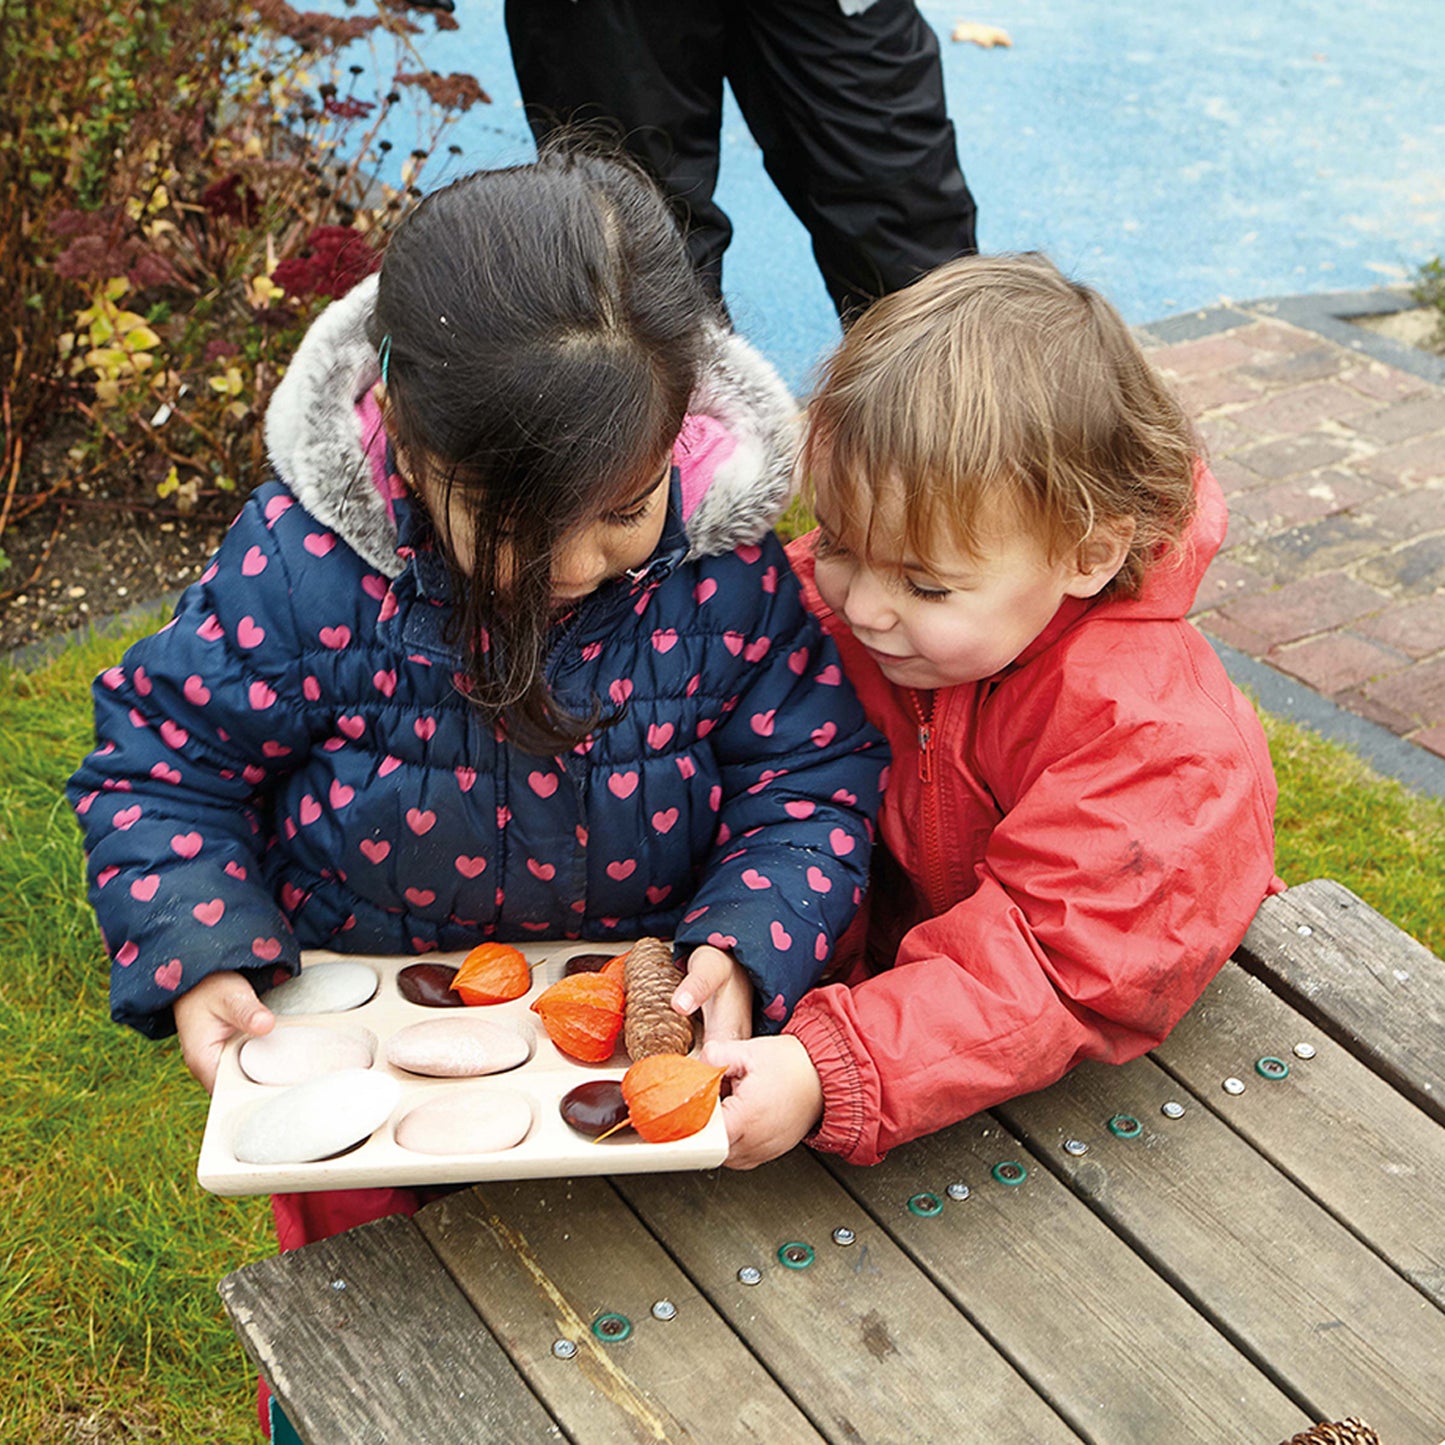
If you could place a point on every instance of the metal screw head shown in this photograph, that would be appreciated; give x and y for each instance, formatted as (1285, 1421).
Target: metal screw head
(1009, 1172)
(1304, 1051)
(750, 1274)
(664, 1309)
(1233, 1085)
(1125, 1126)
(1270, 1067)
(1076, 1147)
(338, 1284)
(958, 1191)
(1304, 930)
(563, 1349)
(843, 1235)
(1173, 1109)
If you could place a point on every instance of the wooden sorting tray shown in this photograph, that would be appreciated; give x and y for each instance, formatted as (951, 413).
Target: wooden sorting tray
(551, 1147)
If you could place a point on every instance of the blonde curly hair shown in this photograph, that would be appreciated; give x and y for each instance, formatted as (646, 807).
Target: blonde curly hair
(996, 387)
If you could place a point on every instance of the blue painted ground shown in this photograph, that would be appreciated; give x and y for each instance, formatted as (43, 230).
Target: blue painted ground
(1171, 154)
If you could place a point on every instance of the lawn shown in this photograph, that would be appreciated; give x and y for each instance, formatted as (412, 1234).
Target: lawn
(110, 1326)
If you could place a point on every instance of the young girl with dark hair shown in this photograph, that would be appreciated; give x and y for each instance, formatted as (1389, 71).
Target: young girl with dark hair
(507, 651)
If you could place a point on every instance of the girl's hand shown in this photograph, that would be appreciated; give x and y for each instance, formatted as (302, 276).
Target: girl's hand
(208, 1016)
(776, 1098)
(717, 984)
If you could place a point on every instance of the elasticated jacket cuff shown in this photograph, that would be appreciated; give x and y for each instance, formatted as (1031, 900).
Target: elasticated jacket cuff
(841, 1128)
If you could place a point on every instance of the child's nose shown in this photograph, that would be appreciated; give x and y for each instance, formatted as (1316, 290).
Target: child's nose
(580, 563)
(868, 605)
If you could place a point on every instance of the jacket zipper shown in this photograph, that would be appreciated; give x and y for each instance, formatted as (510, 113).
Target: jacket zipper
(934, 882)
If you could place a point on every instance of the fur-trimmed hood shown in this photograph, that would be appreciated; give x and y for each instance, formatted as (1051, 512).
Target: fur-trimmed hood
(315, 441)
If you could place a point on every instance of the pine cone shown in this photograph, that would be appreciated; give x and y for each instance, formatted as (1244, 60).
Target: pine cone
(651, 1024)
(1336, 1432)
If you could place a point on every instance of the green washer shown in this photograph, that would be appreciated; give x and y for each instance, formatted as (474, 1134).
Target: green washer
(1270, 1067)
(925, 1205)
(1125, 1126)
(1010, 1172)
(796, 1255)
(612, 1329)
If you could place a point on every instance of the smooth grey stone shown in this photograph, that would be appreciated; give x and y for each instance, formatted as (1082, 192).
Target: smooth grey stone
(316, 1119)
(323, 988)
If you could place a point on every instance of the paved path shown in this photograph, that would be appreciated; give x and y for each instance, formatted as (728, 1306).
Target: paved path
(1332, 455)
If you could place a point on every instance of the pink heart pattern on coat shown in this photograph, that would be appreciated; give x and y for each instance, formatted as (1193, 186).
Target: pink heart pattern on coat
(679, 702)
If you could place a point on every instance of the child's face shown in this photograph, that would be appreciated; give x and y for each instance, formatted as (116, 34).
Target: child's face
(619, 539)
(957, 619)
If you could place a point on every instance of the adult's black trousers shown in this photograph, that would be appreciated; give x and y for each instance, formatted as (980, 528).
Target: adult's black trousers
(847, 110)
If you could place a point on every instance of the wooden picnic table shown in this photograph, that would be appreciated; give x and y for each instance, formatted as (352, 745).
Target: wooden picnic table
(1085, 1263)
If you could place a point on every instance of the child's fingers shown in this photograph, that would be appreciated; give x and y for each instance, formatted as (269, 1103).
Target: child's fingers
(729, 1013)
(240, 1007)
(707, 970)
(210, 1015)
(729, 1055)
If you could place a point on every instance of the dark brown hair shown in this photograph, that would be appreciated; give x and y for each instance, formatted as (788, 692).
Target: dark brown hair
(543, 331)
(996, 387)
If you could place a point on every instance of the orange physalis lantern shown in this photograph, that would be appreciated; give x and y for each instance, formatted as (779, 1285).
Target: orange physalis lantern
(614, 966)
(582, 1014)
(492, 973)
(670, 1096)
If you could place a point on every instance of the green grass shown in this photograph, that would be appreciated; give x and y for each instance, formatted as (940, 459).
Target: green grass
(110, 1326)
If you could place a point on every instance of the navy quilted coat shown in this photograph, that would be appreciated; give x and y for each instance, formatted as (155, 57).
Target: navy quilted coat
(289, 764)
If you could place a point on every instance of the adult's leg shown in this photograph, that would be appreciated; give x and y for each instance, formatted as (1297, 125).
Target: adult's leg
(849, 112)
(647, 72)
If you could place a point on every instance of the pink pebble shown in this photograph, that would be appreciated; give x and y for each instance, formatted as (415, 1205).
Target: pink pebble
(479, 1121)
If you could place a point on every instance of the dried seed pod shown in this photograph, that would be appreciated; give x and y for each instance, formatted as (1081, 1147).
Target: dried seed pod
(669, 1096)
(582, 1015)
(649, 978)
(492, 973)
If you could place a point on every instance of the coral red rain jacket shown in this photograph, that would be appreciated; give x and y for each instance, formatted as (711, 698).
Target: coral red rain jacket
(1073, 849)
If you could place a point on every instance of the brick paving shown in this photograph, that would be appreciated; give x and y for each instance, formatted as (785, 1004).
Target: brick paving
(1333, 462)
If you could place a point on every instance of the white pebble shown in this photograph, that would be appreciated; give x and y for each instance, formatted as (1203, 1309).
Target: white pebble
(293, 1055)
(324, 988)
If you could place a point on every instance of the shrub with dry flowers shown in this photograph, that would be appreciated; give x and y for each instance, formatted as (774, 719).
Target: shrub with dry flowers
(182, 188)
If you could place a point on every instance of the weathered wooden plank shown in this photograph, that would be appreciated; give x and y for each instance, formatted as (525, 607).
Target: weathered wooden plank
(1117, 1352)
(1339, 1329)
(863, 1340)
(543, 1260)
(364, 1338)
(1359, 978)
(1369, 1156)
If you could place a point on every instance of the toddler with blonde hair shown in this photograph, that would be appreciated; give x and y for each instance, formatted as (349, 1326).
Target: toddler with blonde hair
(1078, 828)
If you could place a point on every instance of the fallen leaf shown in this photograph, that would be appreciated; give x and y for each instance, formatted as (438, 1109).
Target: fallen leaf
(985, 35)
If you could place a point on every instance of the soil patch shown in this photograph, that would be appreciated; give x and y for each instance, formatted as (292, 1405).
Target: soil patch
(97, 547)
(94, 562)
